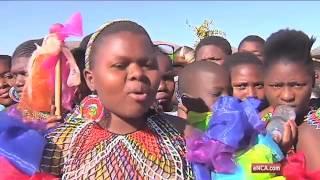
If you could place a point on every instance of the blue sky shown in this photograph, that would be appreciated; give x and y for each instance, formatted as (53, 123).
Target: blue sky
(164, 20)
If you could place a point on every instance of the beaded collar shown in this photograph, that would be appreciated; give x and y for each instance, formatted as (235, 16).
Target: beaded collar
(313, 118)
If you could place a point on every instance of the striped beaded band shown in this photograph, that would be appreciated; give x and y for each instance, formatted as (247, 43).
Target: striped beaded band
(313, 118)
(93, 38)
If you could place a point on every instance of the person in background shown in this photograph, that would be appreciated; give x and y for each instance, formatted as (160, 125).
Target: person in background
(213, 48)
(83, 90)
(201, 84)
(315, 96)
(183, 56)
(253, 44)
(6, 79)
(288, 71)
(20, 60)
(246, 75)
(19, 70)
(316, 65)
(289, 79)
(166, 87)
(204, 82)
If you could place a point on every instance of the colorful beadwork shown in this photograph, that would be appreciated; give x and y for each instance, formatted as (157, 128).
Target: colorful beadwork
(155, 152)
(29, 115)
(267, 117)
(74, 116)
(313, 118)
(13, 94)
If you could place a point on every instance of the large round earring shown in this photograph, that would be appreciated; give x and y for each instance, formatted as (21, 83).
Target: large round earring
(13, 94)
(91, 108)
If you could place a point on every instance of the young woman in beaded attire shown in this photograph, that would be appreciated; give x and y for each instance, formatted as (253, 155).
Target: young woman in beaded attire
(122, 69)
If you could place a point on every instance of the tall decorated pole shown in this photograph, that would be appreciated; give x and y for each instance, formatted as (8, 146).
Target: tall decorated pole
(53, 73)
(57, 89)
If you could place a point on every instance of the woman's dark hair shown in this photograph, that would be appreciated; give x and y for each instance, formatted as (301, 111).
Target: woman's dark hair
(83, 91)
(6, 59)
(84, 42)
(218, 41)
(26, 48)
(316, 65)
(113, 28)
(252, 38)
(289, 46)
(241, 58)
(79, 55)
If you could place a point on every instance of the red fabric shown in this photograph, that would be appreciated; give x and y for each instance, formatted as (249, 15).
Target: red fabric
(295, 169)
(8, 171)
(42, 176)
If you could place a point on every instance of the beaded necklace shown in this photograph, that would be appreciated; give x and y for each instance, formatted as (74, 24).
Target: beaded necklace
(313, 118)
(155, 152)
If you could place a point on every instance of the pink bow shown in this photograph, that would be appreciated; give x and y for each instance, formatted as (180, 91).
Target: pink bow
(73, 27)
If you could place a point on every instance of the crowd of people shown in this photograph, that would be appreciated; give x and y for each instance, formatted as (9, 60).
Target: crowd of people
(138, 104)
